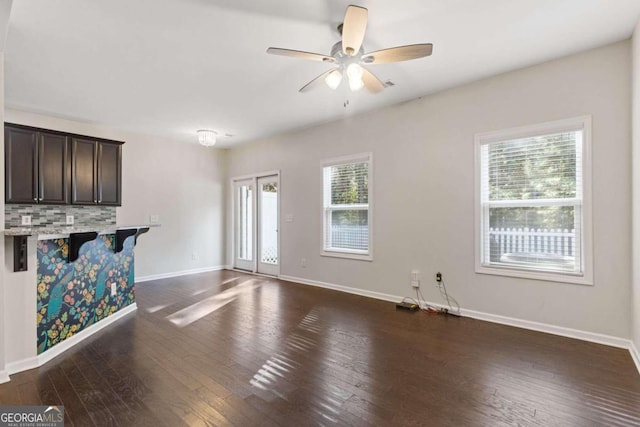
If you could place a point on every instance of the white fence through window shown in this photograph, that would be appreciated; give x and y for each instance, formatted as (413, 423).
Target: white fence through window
(531, 241)
(269, 227)
(350, 236)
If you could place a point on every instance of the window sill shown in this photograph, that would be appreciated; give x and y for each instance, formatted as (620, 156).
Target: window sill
(347, 255)
(536, 275)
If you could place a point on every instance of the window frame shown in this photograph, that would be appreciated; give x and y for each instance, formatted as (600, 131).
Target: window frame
(583, 123)
(346, 253)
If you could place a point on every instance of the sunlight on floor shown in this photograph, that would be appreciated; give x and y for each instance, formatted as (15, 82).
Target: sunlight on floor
(208, 288)
(157, 308)
(197, 311)
(283, 365)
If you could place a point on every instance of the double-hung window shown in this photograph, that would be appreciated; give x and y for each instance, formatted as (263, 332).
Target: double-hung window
(347, 198)
(533, 215)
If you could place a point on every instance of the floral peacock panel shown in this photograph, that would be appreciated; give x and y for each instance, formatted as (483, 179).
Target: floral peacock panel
(72, 296)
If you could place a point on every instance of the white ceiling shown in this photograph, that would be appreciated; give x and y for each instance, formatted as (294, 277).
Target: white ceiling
(171, 67)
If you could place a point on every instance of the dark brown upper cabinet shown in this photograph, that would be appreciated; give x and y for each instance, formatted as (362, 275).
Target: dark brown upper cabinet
(52, 167)
(96, 172)
(20, 169)
(109, 173)
(36, 166)
(84, 163)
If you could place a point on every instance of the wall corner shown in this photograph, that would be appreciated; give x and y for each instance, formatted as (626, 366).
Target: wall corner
(635, 185)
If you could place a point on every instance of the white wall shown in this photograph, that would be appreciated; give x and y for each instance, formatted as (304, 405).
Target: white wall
(635, 284)
(20, 333)
(5, 12)
(3, 300)
(182, 183)
(424, 190)
(185, 185)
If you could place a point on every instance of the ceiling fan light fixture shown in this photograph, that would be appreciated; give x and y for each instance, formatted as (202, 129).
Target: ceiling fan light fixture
(355, 84)
(207, 137)
(348, 54)
(354, 72)
(333, 79)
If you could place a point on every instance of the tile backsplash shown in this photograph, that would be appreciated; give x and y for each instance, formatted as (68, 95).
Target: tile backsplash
(55, 215)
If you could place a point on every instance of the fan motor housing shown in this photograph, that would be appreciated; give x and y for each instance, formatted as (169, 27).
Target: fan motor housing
(336, 51)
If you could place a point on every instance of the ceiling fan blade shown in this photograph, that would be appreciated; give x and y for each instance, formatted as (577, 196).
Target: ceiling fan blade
(300, 54)
(353, 29)
(318, 81)
(371, 82)
(397, 54)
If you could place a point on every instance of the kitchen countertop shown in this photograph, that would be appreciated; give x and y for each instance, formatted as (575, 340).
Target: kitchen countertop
(63, 231)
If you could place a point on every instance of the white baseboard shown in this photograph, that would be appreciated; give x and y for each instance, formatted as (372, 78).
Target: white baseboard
(4, 377)
(347, 289)
(635, 355)
(22, 365)
(494, 318)
(549, 329)
(180, 273)
(41, 359)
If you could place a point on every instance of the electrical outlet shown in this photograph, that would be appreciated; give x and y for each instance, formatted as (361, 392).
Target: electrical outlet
(194, 256)
(288, 218)
(70, 219)
(26, 219)
(114, 290)
(303, 263)
(415, 278)
(154, 219)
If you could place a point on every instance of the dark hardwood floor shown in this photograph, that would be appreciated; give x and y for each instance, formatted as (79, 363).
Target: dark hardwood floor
(226, 348)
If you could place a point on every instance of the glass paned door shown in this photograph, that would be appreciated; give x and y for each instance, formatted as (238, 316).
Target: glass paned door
(256, 220)
(268, 248)
(244, 224)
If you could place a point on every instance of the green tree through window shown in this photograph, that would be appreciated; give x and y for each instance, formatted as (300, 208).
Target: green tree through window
(531, 201)
(542, 167)
(346, 206)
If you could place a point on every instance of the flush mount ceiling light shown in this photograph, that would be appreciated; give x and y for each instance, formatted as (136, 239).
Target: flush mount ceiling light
(348, 55)
(207, 137)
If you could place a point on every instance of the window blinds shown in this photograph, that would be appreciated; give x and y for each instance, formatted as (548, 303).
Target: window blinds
(346, 207)
(531, 196)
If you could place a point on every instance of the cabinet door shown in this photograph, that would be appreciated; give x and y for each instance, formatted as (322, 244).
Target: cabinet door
(83, 171)
(20, 168)
(109, 174)
(52, 168)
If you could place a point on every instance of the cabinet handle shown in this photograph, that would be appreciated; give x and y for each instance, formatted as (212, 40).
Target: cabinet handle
(35, 199)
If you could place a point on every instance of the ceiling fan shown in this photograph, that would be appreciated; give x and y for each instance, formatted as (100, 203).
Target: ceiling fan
(348, 55)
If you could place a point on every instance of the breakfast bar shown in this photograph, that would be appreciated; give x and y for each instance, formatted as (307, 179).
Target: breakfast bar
(76, 276)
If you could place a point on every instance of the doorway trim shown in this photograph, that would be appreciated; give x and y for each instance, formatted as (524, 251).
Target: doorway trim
(254, 177)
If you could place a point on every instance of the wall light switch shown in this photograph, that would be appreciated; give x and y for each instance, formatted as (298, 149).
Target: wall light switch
(26, 219)
(70, 219)
(154, 219)
(415, 278)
